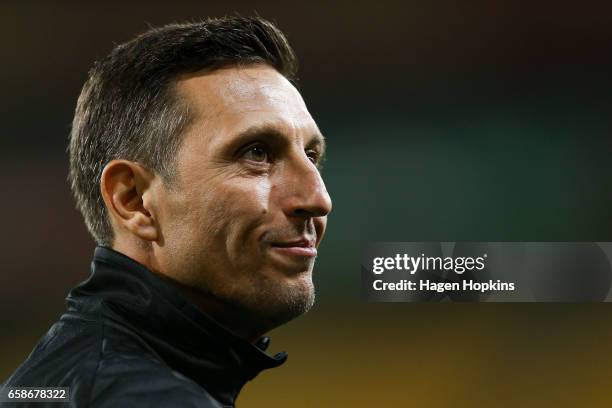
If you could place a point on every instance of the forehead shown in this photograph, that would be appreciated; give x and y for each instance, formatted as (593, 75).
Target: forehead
(230, 99)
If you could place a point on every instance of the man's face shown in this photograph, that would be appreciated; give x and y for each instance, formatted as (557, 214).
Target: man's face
(248, 208)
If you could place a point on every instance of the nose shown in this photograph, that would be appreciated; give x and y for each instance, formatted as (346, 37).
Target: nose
(305, 195)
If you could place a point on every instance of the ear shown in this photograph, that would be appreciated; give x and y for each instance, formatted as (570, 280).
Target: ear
(124, 185)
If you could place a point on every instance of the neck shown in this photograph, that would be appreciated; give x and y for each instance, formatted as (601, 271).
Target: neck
(189, 341)
(237, 320)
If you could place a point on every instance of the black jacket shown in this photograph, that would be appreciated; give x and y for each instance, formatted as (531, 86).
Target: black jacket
(129, 339)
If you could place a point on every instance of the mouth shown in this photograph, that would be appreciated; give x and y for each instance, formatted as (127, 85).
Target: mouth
(302, 247)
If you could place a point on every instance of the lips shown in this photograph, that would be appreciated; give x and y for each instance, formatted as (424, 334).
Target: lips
(303, 247)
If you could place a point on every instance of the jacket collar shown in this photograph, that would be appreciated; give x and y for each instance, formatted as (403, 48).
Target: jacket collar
(188, 340)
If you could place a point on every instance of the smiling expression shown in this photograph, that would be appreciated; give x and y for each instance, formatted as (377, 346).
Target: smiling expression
(243, 218)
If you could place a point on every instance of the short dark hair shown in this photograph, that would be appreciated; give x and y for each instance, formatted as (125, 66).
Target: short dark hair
(129, 109)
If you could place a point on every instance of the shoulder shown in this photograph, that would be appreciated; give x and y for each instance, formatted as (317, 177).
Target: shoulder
(69, 350)
(137, 380)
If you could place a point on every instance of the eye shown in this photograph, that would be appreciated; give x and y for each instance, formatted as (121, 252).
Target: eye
(256, 153)
(313, 155)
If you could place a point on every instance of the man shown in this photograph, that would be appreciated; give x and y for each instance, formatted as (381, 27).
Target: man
(194, 162)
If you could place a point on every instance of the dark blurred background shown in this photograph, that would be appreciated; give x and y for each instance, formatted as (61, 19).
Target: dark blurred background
(487, 121)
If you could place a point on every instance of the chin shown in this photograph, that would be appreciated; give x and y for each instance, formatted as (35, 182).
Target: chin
(281, 302)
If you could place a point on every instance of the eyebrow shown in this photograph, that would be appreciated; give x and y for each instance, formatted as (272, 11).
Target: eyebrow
(272, 131)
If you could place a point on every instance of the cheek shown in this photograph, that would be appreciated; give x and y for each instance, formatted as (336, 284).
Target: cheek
(246, 205)
(227, 215)
(220, 219)
(242, 211)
